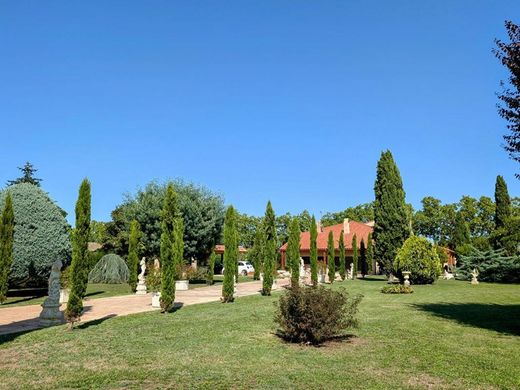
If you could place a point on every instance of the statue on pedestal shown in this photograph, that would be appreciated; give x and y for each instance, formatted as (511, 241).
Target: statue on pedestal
(141, 286)
(51, 314)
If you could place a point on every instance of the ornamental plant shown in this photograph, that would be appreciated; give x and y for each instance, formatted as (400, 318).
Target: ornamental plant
(6, 246)
(133, 254)
(111, 269)
(418, 256)
(269, 252)
(169, 216)
(331, 258)
(370, 255)
(342, 264)
(211, 269)
(230, 255)
(293, 251)
(314, 252)
(354, 257)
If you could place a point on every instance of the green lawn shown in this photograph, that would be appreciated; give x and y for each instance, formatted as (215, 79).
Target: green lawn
(450, 336)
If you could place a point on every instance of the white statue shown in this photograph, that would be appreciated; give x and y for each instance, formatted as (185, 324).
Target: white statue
(141, 286)
(303, 275)
(51, 314)
(351, 271)
(474, 275)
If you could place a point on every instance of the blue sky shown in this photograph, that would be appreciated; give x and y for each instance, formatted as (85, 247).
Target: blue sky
(291, 101)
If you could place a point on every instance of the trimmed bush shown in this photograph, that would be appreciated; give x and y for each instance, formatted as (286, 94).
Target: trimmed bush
(111, 269)
(313, 315)
(418, 256)
(41, 235)
(397, 289)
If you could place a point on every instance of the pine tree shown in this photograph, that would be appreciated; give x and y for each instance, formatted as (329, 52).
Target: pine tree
(230, 255)
(355, 258)
(6, 246)
(293, 252)
(28, 172)
(331, 257)
(370, 255)
(460, 235)
(79, 266)
(341, 247)
(169, 215)
(314, 252)
(133, 254)
(502, 202)
(392, 226)
(269, 252)
(363, 258)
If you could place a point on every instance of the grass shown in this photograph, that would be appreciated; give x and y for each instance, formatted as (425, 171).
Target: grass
(449, 336)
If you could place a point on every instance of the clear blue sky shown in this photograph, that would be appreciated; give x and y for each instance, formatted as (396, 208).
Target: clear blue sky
(291, 101)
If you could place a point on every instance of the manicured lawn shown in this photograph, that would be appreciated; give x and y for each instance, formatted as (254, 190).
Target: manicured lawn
(450, 335)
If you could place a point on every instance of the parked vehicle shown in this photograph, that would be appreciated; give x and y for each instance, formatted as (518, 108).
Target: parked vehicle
(244, 268)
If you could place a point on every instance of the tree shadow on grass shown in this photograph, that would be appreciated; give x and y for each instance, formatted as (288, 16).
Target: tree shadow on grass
(499, 318)
(88, 324)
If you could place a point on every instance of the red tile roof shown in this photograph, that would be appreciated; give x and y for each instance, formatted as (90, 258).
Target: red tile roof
(361, 230)
(221, 248)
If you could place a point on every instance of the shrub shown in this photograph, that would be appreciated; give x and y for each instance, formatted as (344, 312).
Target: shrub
(198, 274)
(492, 265)
(397, 289)
(153, 277)
(315, 314)
(41, 235)
(111, 269)
(418, 256)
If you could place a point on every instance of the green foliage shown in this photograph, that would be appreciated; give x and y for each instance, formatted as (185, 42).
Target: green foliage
(178, 248)
(370, 254)
(41, 235)
(460, 234)
(392, 226)
(256, 252)
(397, 289)
(98, 231)
(6, 246)
(314, 315)
(441, 252)
(79, 266)
(363, 213)
(331, 254)
(230, 255)
(270, 249)
(314, 252)
(492, 265)
(111, 269)
(342, 263)
(153, 277)
(169, 218)
(355, 256)
(211, 269)
(363, 258)
(133, 254)
(418, 256)
(502, 202)
(293, 252)
(28, 172)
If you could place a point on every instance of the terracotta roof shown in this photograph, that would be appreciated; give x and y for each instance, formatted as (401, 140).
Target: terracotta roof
(361, 230)
(94, 246)
(222, 248)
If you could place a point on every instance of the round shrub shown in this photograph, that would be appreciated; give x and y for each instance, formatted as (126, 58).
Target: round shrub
(41, 235)
(111, 269)
(418, 256)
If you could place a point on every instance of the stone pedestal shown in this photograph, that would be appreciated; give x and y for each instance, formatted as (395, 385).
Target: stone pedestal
(64, 295)
(156, 299)
(182, 285)
(51, 314)
(406, 275)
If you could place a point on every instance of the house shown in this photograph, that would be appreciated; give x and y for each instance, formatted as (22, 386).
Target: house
(348, 227)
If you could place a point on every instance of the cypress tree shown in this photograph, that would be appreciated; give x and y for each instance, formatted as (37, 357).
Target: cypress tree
(331, 255)
(79, 266)
(133, 254)
(354, 257)
(460, 235)
(341, 247)
(391, 227)
(502, 202)
(230, 255)
(269, 252)
(6, 246)
(314, 252)
(169, 267)
(255, 254)
(370, 255)
(178, 247)
(211, 268)
(237, 254)
(293, 252)
(363, 258)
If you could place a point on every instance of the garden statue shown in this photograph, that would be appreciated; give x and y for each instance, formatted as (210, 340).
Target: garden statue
(302, 272)
(141, 286)
(51, 314)
(406, 275)
(474, 275)
(351, 271)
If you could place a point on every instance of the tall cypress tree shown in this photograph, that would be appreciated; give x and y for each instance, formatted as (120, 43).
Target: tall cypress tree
(79, 266)
(230, 255)
(331, 257)
(6, 246)
(269, 249)
(461, 234)
(370, 255)
(314, 252)
(178, 247)
(255, 254)
(293, 251)
(363, 258)
(355, 257)
(169, 268)
(341, 247)
(502, 202)
(391, 227)
(133, 254)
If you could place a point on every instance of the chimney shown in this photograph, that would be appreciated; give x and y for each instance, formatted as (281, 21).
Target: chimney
(370, 223)
(318, 226)
(346, 226)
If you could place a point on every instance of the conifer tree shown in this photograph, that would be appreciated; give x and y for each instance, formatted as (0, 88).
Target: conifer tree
(341, 247)
(169, 269)
(133, 254)
(211, 268)
(6, 246)
(269, 252)
(79, 266)
(230, 255)
(363, 258)
(354, 257)
(331, 257)
(502, 202)
(178, 247)
(392, 226)
(293, 252)
(255, 254)
(314, 252)
(461, 234)
(370, 255)
(28, 171)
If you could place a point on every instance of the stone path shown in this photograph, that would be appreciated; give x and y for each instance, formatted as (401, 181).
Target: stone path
(24, 318)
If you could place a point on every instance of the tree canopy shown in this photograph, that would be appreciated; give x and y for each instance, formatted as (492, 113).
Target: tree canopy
(28, 171)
